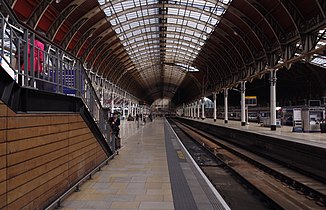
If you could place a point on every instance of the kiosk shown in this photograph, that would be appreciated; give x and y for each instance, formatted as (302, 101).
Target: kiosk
(311, 118)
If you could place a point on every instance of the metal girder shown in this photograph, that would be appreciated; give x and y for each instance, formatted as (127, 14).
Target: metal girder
(165, 32)
(95, 54)
(81, 41)
(127, 80)
(156, 6)
(259, 33)
(244, 37)
(115, 48)
(212, 70)
(235, 45)
(123, 75)
(78, 25)
(111, 57)
(181, 60)
(226, 64)
(277, 30)
(38, 13)
(102, 56)
(322, 7)
(95, 42)
(288, 51)
(213, 59)
(12, 3)
(272, 59)
(115, 66)
(113, 62)
(107, 61)
(88, 34)
(229, 53)
(297, 18)
(73, 30)
(115, 74)
(256, 52)
(88, 50)
(308, 44)
(58, 22)
(178, 59)
(159, 16)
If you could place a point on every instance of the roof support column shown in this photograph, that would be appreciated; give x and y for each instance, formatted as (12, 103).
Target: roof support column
(137, 109)
(193, 108)
(243, 103)
(189, 110)
(183, 110)
(202, 108)
(272, 81)
(112, 102)
(214, 98)
(123, 109)
(132, 110)
(124, 106)
(198, 109)
(129, 108)
(226, 93)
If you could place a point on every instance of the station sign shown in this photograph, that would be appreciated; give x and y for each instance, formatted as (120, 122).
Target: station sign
(251, 100)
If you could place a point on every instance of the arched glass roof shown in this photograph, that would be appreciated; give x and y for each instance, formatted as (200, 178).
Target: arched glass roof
(163, 37)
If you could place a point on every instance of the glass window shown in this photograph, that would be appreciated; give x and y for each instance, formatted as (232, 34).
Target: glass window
(186, 27)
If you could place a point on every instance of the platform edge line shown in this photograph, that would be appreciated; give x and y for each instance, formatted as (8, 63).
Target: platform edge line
(216, 193)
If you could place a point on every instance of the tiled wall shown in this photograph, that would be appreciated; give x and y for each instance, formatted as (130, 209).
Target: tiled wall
(41, 155)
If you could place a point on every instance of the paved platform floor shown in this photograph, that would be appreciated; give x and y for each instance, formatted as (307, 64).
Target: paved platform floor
(140, 176)
(284, 132)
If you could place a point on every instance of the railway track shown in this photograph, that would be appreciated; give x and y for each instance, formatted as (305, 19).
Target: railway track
(281, 187)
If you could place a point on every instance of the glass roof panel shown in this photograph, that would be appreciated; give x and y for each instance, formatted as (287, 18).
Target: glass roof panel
(156, 33)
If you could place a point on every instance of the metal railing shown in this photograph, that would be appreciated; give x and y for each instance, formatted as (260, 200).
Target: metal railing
(35, 62)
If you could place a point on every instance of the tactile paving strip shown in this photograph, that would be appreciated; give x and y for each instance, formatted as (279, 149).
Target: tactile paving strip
(182, 196)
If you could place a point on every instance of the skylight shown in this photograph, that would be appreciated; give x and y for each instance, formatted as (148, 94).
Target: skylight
(168, 32)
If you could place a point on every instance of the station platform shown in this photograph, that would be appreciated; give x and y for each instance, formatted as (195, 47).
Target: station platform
(152, 171)
(284, 132)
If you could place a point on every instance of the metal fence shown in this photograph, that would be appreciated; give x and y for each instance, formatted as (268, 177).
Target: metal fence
(35, 62)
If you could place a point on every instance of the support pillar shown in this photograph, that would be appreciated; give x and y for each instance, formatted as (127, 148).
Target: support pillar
(198, 109)
(214, 98)
(226, 114)
(112, 103)
(184, 110)
(129, 108)
(243, 103)
(193, 107)
(202, 109)
(191, 111)
(273, 99)
(123, 110)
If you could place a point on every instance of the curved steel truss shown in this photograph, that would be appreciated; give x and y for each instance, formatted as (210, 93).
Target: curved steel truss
(158, 33)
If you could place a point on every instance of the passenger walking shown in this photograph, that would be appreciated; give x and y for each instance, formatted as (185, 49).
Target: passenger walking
(114, 122)
(137, 120)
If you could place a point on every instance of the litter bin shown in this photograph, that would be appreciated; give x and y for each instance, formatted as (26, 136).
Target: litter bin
(323, 127)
